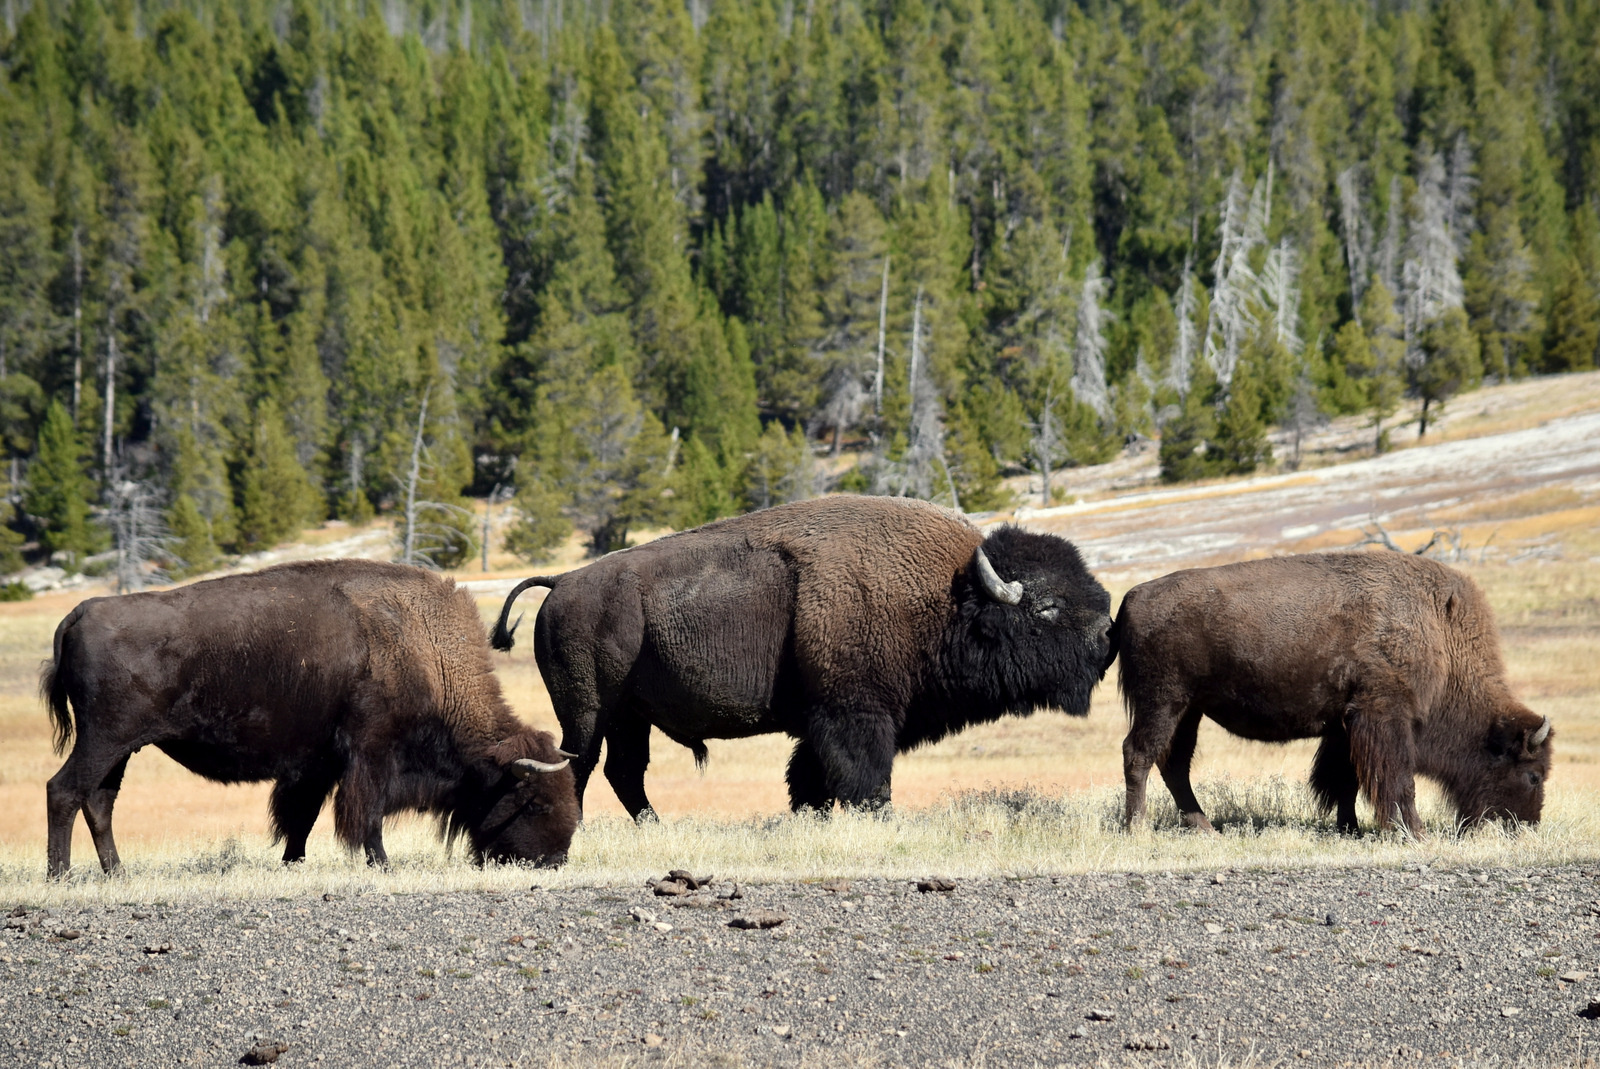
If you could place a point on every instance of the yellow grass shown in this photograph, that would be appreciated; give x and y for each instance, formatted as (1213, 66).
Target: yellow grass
(182, 835)
(1029, 795)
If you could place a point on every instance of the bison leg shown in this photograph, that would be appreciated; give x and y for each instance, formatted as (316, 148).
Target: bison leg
(856, 751)
(295, 806)
(627, 756)
(1333, 779)
(68, 791)
(1149, 740)
(1381, 751)
(97, 814)
(358, 812)
(876, 802)
(1175, 772)
(808, 783)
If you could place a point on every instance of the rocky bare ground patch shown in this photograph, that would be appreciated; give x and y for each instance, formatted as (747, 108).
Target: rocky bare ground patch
(1352, 966)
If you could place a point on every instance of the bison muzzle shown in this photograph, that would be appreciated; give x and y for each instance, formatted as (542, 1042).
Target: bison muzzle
(859, 626)
(1391, 659)
(371, 677)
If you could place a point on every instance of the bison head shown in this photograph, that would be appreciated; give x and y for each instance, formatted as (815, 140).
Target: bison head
(527, 807)
(1516, 763)
(1033, 626)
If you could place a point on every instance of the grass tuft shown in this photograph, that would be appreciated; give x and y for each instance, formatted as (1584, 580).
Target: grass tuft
(1266, 824)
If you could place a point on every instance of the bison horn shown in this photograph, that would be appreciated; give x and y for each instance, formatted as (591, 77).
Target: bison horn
(1001, 591)
(565, 754)
(527, 767)
(1537, 738)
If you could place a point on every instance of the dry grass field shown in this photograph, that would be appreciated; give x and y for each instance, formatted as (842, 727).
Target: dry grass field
(1039, 793)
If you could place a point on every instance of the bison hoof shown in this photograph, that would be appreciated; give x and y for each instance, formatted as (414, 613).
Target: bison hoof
(646, 816)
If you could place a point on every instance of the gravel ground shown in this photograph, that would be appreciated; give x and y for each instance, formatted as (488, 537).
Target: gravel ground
(1359, 966)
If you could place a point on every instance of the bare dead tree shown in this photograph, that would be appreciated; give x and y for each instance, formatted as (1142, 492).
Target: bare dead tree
(500, 494)
(1378, 536)
(133, 512)
(422, 538)
(883, 323)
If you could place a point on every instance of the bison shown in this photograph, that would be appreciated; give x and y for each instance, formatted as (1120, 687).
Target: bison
(371, 677)
(1391, 659)
(859, 626)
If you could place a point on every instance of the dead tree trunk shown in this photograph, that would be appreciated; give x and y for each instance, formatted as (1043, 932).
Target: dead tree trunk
(409, 550)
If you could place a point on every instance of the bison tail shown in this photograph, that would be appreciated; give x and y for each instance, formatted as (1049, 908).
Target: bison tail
(502, 636)
(53, 686)
(1111, 650)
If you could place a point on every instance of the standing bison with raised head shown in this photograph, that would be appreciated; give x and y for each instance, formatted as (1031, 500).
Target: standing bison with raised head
(1391, 659)
(371, 677)
(859, 626)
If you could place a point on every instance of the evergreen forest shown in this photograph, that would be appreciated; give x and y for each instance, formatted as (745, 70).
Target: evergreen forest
(643, 263)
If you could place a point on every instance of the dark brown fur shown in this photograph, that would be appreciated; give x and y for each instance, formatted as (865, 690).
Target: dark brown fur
(1391, 659)
(856, 625)
(371, 677)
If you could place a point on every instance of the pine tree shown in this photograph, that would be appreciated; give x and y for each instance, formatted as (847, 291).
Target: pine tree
(1186, 438)
(1383, 378)
(540, 526)
(192, 546)
(277, 498)
(1572, 337)
(1240, 445)
(58, 490)
(781, 468)
(1451, 363)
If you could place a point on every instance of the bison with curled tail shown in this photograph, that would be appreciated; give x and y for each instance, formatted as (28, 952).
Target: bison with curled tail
(859, 626)
(1392, 660)
(371, 678)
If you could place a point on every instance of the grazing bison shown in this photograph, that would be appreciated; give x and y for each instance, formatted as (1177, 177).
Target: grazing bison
(1391, 659)
(860, 626)
(371, 677)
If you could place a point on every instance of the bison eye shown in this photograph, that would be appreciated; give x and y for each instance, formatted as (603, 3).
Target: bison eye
(1533, 778)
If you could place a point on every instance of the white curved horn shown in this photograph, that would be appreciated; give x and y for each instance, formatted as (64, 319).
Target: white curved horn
(527, 767)
(564, 753)
(1537, 738)
(1001, 591)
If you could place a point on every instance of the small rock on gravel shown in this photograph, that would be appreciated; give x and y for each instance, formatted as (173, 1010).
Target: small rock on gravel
(1147, 1043)
(670, 888)
(758, 918)
(936, 883)
(689, 880)
(653, 1040)
(1510, 1011)
(838, 887)
(263, 1053)
(1101, 1015)
(1573, 976)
